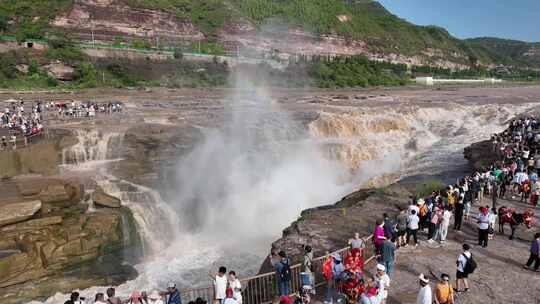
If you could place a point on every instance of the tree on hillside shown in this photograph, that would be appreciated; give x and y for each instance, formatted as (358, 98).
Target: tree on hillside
(3, 22)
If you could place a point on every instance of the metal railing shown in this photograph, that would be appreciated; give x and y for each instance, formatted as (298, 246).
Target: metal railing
(262, 288)
(22, 141)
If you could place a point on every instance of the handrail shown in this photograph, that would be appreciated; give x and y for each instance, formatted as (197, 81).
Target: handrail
(267, 280)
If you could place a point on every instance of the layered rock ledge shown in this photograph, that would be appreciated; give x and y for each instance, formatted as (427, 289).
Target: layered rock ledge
(50, 241)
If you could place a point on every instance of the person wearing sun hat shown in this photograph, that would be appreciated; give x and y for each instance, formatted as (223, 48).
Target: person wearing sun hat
(383, 283)
(424, 294)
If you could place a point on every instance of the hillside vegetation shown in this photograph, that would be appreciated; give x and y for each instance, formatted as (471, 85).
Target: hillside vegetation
(365, 20)
(509, 52)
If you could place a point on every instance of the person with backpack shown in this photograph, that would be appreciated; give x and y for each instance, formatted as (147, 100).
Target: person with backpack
(283, 273)
(465, 266)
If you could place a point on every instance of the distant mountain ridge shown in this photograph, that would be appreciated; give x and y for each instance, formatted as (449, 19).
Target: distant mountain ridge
(509, 52)
(313, 27)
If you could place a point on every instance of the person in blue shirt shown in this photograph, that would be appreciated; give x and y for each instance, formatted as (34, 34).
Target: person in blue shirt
(283, 273)
(173, 294)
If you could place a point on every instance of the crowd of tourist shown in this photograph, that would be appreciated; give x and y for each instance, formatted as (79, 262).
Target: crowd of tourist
(514, 175)
(74, 109)
(20, 121)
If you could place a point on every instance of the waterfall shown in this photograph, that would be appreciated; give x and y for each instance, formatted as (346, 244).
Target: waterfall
(92, 145)
(154, 218)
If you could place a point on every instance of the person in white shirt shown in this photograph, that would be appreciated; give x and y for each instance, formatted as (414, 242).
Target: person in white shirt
(447, 214)
(220, 284)
(483, 227)
(236, 286)
(412, 227)
(424, 294)
(382, 281)
(461, 275)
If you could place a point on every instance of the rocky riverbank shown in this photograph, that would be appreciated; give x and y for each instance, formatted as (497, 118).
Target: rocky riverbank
(499, 279)
(55, 235)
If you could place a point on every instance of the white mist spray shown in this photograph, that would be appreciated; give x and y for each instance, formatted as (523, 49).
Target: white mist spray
(250, 178)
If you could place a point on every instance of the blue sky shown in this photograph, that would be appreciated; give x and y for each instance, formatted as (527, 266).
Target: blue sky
(513, 19)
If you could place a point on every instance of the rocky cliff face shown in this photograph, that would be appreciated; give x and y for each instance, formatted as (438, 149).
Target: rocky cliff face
(328, 228)
(105, 19)
(481, 154)
(41, 157)
(46, 230)
(108, 20)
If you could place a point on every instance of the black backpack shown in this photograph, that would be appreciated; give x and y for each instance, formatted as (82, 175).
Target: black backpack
(470, 266)
(285, 274)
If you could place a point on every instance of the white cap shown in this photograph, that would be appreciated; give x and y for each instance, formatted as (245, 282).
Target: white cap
(171, 285)
(381, 267)
(422, 278)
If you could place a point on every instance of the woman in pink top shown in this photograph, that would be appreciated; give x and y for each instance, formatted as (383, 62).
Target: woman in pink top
(378, 235)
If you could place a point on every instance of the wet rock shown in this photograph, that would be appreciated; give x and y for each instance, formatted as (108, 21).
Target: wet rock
(54, 193)
(480, 154)
(104, 200)
(17, 212)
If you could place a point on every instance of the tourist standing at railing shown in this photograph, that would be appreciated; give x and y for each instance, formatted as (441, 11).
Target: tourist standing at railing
(357, 242)
(236, 286)
(332, 270)
(283, 273)
(307, 264)
(173, 294)
(220, 284)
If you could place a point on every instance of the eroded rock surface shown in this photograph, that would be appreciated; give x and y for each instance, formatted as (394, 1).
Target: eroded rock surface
(45, 238)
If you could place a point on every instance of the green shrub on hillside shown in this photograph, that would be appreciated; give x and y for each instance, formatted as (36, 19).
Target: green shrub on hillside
(140, 44)
(29, 19)
(356, 71)
(86, 75)
(8, 65)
